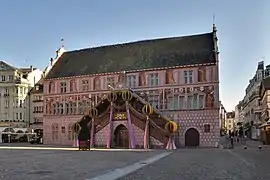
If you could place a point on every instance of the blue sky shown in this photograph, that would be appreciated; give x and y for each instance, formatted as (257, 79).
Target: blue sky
(30, 31)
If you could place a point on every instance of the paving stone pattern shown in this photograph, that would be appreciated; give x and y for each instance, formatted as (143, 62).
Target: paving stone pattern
(63, 165)
(208, 164)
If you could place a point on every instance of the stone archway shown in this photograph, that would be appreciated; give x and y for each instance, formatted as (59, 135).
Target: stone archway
(121, 137)
(192, 138)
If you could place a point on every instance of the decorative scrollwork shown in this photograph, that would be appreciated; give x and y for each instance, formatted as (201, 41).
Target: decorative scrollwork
(147, 110)
(93, 112)
(171, 127)
(112, 96)
(120, 116)
(126, 95)
(76, 128)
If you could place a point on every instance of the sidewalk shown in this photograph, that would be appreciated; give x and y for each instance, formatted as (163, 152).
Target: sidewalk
(252, 144)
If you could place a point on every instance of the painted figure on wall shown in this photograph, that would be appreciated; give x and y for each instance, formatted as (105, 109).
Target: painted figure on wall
(72, 85)
(202, 74)
(209, 98)
(142, 79)
(96, 83)
(169, 77)
(121, 81)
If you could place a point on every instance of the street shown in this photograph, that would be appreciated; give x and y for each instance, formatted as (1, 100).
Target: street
(183, 164)
(208, 164)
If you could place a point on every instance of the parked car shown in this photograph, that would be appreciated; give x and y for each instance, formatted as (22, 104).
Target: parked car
(36, 140)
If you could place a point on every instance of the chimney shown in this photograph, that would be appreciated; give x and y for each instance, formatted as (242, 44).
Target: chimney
(31, 68)
(51, 61)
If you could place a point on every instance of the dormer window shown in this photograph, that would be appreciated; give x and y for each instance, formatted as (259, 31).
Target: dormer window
(37, 87)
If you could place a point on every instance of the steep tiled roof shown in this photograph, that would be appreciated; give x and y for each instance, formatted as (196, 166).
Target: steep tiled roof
(230, 114)
(38, 90)
(157, 53)
(266, 83)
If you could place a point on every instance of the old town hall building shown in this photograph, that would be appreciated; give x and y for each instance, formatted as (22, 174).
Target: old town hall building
(177, 76)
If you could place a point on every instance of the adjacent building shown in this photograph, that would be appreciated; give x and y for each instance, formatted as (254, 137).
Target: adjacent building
(14, 86)
(35, 95)
(36, 107)
(265, 104)
(229, 122)
(222, 118)
(178, 76)
(251, 107)
(14, 101)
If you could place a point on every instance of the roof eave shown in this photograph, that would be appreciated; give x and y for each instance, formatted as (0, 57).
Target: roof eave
(133, 71)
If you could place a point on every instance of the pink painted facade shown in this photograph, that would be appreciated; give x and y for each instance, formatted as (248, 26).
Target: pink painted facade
(188, 94)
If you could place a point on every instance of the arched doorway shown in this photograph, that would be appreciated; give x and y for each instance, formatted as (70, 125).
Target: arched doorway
(121, 137)
(84, 133)
(192, 138)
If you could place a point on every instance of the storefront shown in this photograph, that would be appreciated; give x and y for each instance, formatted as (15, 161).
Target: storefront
(265, 133)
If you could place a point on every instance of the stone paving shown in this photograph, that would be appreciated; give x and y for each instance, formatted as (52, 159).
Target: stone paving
(63, 165)
(208, 164)
(183, 164)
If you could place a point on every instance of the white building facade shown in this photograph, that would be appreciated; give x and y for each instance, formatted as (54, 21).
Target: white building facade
(14, 86)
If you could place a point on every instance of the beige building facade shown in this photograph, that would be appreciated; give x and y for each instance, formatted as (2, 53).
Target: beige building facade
(14, 86)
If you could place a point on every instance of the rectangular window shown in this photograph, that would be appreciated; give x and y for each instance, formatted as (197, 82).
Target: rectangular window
(63, 87)
(7, 104)
(207, 128)
(189, 102)
(3, 78)
(85, 85)
(69, 132)
(21, 115)
(6, 91)
(195, 101)
(67, 108)
(201, 101)
(185, 77)
(61, 108)
(131, 81)
(54, 109)
(190, 76)
(170, 103)
(55, 131)
(17, 115)
(110, 81)
(153, 79)
(81, 108)
(175, 102)
(153, 100)
(10, 77)
(182, 102)
(63, 129)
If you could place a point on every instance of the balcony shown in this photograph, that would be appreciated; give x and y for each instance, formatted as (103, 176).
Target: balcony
(40, 100)
(257, 109)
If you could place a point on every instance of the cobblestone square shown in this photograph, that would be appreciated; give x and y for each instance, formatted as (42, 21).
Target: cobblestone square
(63, 165)
(208, 164)
(183, 164)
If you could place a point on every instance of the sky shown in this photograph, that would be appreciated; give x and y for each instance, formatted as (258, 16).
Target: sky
(31, 31)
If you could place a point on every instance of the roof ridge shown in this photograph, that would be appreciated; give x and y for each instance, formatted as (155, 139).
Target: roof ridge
(140, 41)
